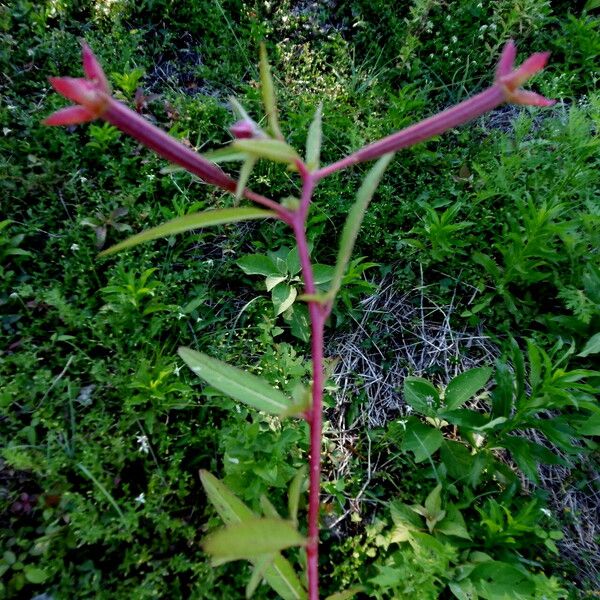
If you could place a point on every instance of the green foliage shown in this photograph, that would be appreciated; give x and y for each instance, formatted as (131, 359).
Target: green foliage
(104, 429)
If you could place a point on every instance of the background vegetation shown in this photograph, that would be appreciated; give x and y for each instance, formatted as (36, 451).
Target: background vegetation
(103, 434)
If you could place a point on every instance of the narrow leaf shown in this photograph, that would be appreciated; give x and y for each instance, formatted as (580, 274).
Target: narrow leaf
(283, 579)
(275, 150)
(258, 572)
(268, 509)
(268, 93)
(245, 172)
(228, 506)
(239, 385)
(190, 222)
(354, 221)
(295, 492)
(279, 575)
(464, 386)
(252, 538)
(313, 140)
(239, 110)
(227, 154)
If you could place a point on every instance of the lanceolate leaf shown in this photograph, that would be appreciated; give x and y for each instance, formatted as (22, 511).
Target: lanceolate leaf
(251, 539)
(230, 508)
(245, 171)
(279, 575)
(258, 572)
(354, 221)
(268, 93)
(190, 222)
(313, 140)
(274, 150)
(464, 386)
(295, 492)
(239, 385)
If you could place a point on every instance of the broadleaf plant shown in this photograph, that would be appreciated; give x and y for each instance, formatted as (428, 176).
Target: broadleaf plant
(93, 100)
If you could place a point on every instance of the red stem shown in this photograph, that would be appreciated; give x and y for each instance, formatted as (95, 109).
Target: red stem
(447, 119)
(156, 139)
(318, 315)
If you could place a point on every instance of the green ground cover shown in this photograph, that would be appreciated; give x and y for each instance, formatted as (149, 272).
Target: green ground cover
(103, 429)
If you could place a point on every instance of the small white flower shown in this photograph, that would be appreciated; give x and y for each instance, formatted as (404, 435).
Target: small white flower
(6, 130)
(402, 422)
(429, 400)
(180, 316)
(235, 461)
(151, 176)
(409, 409)
(74, 247)
(143, 445)
(141, 499)
(454, 39)
(177, 369)
(493, 26)
(546, 512)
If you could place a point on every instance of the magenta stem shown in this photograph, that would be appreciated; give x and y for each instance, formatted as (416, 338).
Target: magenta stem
(318, 314)
(447, 119)
(162, 143)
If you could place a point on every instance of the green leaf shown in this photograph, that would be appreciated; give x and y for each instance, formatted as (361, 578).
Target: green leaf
(313, 140)
(299, 322)
(592, 5)
(252, 538)
(283, 579)
(274, 150)
(294, 493)
(421, 440)
(453, 523)
(34, 574)
(272, 280)
(283, 296)
(258, 573)
(268, 509)
(592, 346)
(190, 222)
(227, 154)
(464, 417)
(268, 93)
(245, 172)
(235, 383)
(591, 426)
(457, 459)
(228, 506)
(495, 580)
(354, 221)
(406, 522)
(258, 264)
(464, 386)
(433, 502)
(322, 274)
(280, 575)
(421, 395)
(528, 455)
